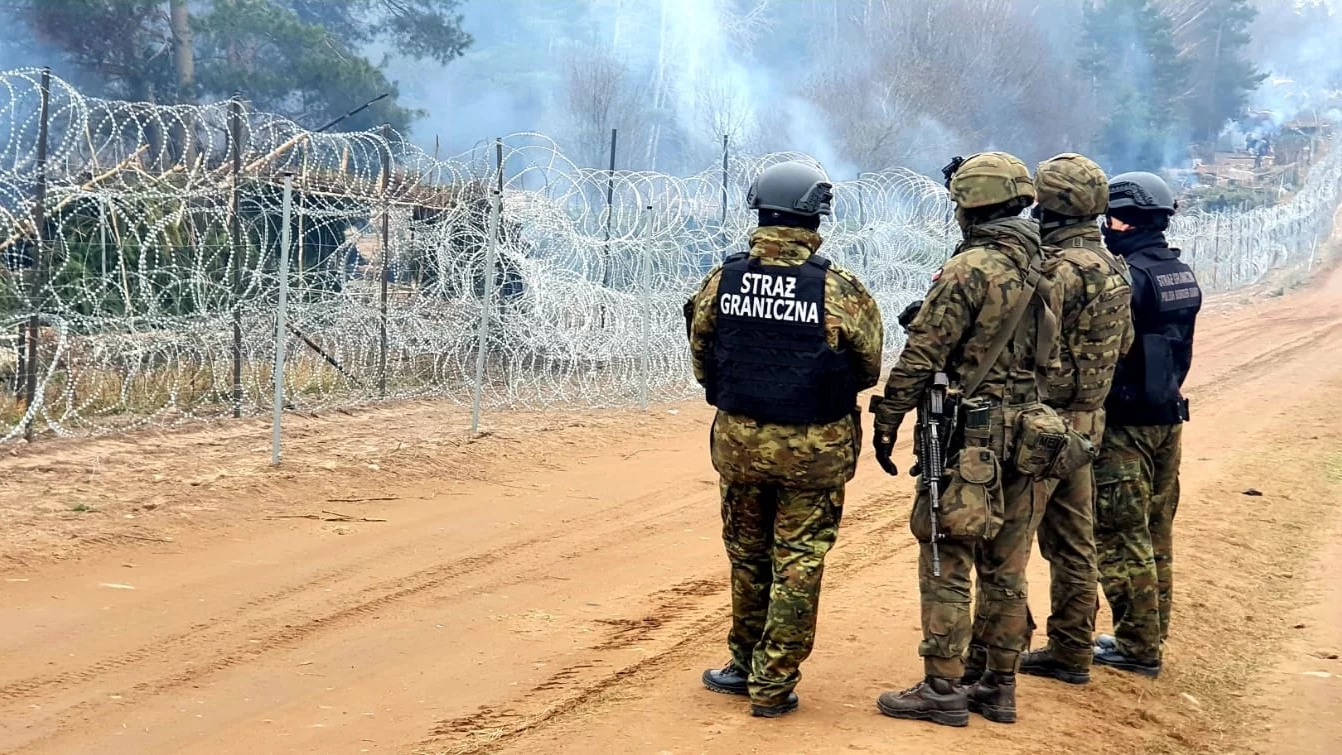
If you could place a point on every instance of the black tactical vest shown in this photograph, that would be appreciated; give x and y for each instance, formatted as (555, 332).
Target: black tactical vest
(1166, 299)
(771, 361)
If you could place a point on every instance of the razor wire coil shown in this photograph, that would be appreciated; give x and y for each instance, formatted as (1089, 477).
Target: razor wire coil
(147, 275)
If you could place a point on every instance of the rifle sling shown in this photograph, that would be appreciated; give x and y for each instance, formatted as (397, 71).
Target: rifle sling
(1008, 330)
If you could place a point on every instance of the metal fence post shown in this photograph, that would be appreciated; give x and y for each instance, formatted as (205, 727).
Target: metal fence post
(487, 299)
(280, 315)
(724, 184)
(610, 216)
(1216, 251)
(645, 318)
(39, 282)
(235, 253)
(386, 261)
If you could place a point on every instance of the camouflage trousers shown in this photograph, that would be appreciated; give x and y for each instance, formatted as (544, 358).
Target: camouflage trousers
(1067, 542)
(1137, 481)
(776, 540)
(998, 631)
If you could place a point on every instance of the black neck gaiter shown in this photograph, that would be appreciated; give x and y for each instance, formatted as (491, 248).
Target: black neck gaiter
(1127, 242)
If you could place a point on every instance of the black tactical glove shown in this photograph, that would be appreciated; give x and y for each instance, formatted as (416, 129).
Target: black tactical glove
(883, 440)
(884, 432)
(906, 317)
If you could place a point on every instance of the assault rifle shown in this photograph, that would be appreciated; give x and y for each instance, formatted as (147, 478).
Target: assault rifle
(936, 424)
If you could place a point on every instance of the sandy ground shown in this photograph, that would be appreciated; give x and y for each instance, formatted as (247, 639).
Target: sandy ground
(559, 584)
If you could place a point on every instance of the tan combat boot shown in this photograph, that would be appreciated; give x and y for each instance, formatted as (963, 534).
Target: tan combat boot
(994, 697)
(935, 699)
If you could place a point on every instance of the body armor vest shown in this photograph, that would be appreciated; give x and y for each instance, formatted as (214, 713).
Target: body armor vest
(1165, 303)
(1092, 345)
(771, 359)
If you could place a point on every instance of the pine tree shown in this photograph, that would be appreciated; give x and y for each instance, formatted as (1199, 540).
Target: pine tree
(1214, 42)
(306, 59)
(1129, 54)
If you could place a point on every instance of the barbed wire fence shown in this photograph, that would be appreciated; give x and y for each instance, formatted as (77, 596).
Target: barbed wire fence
(140, 277)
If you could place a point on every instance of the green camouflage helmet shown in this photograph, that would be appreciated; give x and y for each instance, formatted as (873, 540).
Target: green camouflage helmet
(1072, 185)
(991, 178)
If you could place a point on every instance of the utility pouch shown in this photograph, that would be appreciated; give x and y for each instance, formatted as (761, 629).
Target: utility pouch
(1044, 447)
(972, 504)
(1077, 453)
(984, 424)
(688, 311)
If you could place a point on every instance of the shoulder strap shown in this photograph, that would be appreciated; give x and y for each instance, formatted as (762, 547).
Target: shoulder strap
(1008, 330)
(1119, 269)
(821, 262)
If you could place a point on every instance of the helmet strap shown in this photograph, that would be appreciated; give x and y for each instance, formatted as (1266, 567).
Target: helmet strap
(1052, 221)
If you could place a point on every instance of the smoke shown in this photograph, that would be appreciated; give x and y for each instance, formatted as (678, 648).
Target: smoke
(1296, 44)
(861, 85)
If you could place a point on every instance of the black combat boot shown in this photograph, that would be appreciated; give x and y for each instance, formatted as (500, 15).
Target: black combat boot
(994, 697)
(935, 699)
(774, 711)
(1114, 658)
(1045, 662)
(729, 680)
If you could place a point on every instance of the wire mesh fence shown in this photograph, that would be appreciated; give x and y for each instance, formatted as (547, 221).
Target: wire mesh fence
(139, 263)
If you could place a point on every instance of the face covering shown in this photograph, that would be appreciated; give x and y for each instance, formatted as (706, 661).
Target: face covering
(1127, 242)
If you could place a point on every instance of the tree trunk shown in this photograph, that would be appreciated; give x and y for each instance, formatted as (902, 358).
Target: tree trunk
(183, 55)
(184, 64)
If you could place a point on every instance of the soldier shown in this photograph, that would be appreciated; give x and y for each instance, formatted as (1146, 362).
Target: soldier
(1137, 472)
(782, 342)
(1071, 193)
(987, 295)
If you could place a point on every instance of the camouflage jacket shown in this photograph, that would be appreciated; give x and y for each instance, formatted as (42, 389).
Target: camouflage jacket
(801, 456)
(970, 300)
(1096, 296)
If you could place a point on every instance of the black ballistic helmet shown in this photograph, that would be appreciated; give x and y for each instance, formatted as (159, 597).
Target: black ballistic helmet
(795, 188)
(1144, 192)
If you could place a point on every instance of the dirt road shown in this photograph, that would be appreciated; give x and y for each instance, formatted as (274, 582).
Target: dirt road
(560, 584)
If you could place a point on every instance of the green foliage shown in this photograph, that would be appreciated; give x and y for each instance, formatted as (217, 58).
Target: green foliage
(114, 47)
(307, 59)
(1222, 77)
(1129, 53)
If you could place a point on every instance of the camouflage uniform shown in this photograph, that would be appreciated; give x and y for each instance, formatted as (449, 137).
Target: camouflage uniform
(1095, 291)
(782, 485)
(1096, 332)
(973, 296)
(1138, 479)
(1137, 472)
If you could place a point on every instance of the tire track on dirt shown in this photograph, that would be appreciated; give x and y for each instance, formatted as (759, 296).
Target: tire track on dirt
(208, 648)
(665, 623)
(298, 626)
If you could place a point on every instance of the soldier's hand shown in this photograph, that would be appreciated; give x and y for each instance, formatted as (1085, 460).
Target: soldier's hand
(883, 441)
